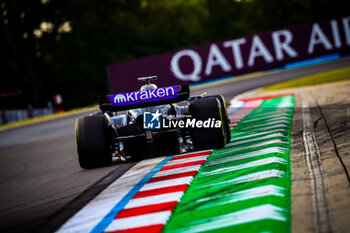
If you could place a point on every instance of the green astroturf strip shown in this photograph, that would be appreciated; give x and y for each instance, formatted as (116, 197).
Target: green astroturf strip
(245, 186)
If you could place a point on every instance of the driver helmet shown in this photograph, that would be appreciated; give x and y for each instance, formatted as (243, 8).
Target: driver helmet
(147, 87)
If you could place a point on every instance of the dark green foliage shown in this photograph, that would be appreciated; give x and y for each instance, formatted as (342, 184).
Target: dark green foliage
(105, 32)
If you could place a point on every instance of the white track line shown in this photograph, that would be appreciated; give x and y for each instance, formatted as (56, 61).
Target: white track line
(167, 183)
(187, 160)
(318, 188)
(156, 199)
(177, 170)
(139, 221)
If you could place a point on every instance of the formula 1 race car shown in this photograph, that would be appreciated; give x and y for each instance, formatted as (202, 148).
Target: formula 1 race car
(151, 122)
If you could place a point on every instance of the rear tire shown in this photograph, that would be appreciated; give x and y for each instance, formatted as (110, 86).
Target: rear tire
(226, 120)
(93, 142)
(207, 138)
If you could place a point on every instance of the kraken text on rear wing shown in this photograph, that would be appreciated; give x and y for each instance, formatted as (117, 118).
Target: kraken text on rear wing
(141, 99)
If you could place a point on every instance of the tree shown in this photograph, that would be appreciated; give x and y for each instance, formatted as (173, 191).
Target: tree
(57, 46)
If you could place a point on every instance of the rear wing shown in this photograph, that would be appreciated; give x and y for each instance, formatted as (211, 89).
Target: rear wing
(142, 99)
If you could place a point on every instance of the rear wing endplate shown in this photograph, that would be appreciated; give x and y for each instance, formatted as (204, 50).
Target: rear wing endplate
(142, 99)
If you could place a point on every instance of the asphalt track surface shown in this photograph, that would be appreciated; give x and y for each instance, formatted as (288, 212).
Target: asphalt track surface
(41, 183)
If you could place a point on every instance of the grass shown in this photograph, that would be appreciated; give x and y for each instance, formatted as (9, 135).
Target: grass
(46, 118)
(324, 77)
